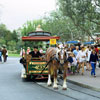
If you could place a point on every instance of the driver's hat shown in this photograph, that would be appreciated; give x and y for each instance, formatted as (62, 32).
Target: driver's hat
(35, 47)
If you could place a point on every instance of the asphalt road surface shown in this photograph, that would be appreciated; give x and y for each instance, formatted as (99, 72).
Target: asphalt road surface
(12, 87)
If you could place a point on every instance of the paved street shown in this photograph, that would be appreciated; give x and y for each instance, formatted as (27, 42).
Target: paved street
(87, 80)
(13, 88)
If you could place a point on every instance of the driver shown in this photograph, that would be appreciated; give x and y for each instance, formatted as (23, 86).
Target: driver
(35, 53)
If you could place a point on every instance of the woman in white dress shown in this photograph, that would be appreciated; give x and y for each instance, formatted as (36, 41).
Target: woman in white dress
(81, 58)
(88, 53)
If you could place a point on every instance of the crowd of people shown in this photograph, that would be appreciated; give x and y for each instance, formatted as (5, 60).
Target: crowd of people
(3, 54)
(80, 56)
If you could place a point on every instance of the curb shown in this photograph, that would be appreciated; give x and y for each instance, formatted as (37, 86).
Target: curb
(84, 85)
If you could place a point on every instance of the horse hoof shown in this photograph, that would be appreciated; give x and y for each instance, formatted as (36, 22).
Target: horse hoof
(49, 85)
(64, 88)
(56, 88)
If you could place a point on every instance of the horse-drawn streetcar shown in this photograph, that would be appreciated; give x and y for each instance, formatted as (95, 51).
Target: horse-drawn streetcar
(35, 67)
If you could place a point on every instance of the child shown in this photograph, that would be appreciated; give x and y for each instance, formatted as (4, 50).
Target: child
(74, 63)
(70, 60)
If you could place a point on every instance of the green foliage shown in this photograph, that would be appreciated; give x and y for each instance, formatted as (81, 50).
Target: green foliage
(30, 26)
(13, 55)
(11, 45)
(83, 13)
(8, 38)
(56, 23)
(2, 41)
(74, 19)
(15, 36)
(61, 26)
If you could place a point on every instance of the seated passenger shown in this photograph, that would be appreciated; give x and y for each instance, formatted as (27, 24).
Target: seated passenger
(35, 53)
(41, 50)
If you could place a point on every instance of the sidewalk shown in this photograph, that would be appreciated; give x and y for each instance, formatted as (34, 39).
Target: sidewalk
(86, 80)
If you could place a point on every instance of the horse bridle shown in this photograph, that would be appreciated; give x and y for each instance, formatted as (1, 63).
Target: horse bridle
(65, 58)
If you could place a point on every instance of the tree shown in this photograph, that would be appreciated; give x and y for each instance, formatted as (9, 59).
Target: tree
(30, 26)
(83, 14)
(61, 26)
(3, 30)
(11, 45)
(55, 23)
(2, 42)
(7, 37)
(15, 36)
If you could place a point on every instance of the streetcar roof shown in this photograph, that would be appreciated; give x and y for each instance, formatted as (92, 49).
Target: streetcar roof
(39, 36)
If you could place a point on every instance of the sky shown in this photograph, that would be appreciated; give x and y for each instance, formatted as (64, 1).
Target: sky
(14, 13)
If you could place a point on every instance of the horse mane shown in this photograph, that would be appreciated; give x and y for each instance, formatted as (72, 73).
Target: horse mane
(51, 51)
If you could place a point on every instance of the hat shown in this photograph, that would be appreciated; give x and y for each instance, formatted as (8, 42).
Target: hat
(4, 46)
(36, 47)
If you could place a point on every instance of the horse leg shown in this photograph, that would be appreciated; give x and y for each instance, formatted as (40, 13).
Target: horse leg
(49, 83)
(49, 80)
(55, 79)
(64, 77)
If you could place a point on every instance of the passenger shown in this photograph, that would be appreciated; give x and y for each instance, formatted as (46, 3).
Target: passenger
(41, 50)
(28, 50)
(35, 53)
(22, 52)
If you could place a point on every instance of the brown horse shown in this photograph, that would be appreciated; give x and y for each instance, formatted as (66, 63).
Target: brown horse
(57, 58)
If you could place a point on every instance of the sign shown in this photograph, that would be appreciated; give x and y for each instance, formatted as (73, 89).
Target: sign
(52, 41)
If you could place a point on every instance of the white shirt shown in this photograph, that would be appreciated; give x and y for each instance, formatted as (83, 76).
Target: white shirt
(74, 61)
(61, 46)
(80, 56)
(89, 53)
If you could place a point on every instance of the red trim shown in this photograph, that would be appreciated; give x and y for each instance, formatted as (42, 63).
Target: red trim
(39, 74)
(42, 78)
(40, 38)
